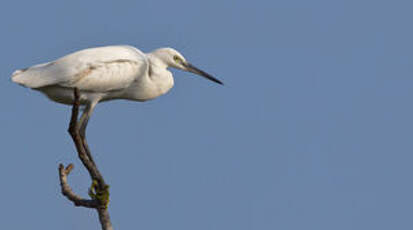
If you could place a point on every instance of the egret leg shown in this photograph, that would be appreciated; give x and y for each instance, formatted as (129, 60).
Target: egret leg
(84, 119)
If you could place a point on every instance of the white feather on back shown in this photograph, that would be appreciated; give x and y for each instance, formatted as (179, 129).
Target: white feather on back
(90, 69)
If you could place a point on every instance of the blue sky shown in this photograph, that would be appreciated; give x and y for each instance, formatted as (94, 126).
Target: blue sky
(313, 129)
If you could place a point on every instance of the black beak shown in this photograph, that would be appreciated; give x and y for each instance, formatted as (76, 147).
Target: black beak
(195, 70)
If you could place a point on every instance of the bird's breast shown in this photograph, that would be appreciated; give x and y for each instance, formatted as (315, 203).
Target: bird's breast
(149, 87)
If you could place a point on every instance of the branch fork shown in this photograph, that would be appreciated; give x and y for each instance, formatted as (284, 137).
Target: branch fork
(99, 191)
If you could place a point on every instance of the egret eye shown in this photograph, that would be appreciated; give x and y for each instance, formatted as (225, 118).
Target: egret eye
(177, 59)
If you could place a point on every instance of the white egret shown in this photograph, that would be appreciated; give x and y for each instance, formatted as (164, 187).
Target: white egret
(106, 73)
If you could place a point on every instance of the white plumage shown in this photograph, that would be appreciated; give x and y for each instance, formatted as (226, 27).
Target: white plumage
(106, 73)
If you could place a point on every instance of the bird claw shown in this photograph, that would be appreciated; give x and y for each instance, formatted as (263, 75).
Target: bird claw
(101, 195)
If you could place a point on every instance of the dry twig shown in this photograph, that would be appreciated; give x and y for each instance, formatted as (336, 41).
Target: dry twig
(99, 191)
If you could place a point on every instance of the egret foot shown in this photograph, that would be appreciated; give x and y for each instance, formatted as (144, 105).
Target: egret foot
(101, 195)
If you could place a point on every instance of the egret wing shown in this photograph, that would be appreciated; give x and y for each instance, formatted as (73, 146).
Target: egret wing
(97, 69)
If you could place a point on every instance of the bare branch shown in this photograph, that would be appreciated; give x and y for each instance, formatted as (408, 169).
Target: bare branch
(81, 146)
(69, 194)
(104, 219)
(99, 192)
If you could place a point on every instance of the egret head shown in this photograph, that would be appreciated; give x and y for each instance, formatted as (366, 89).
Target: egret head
(173, 58)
